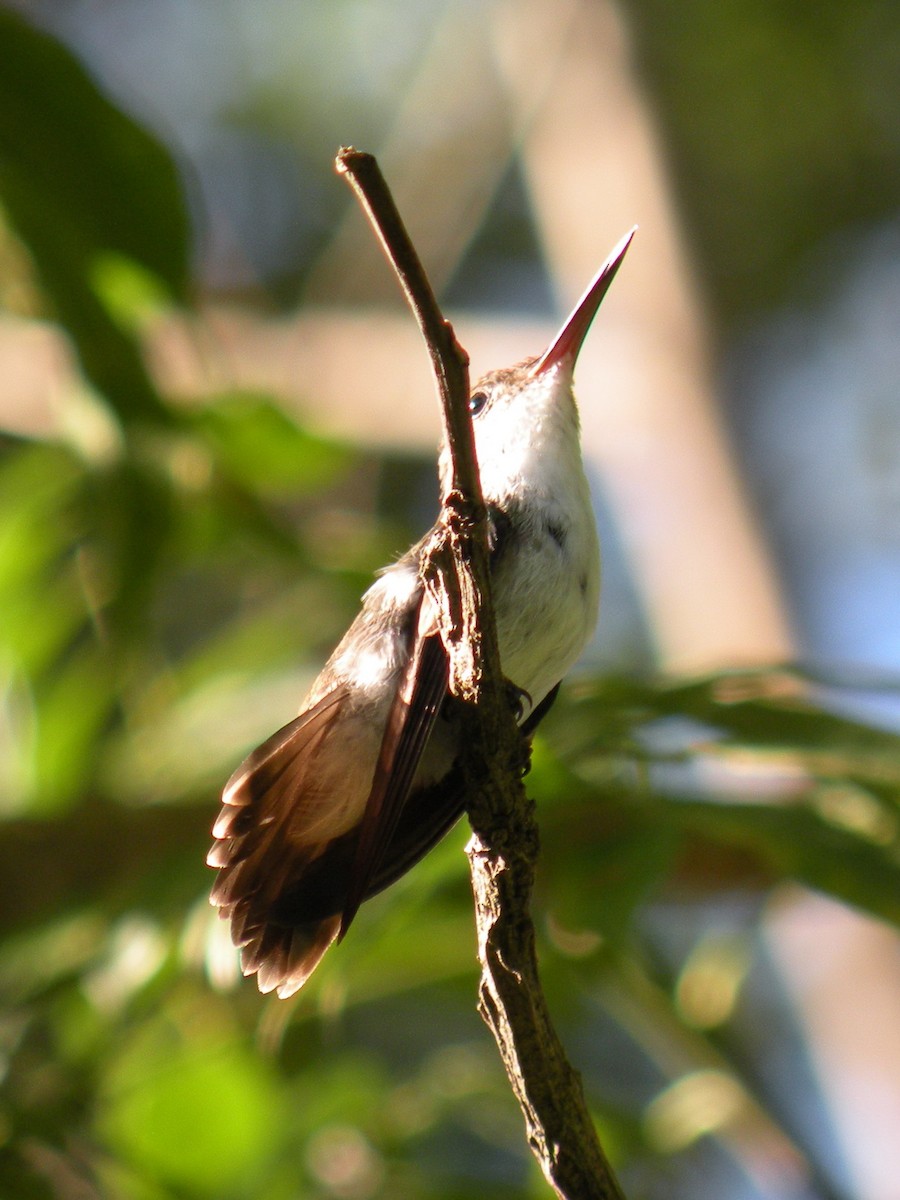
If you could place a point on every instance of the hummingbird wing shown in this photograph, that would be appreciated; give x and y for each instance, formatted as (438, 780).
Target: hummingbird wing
(262, 841)
(294, 865)
(416, 704)
(431, 812)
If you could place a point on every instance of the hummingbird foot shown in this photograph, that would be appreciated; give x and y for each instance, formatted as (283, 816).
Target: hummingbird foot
(519, 700)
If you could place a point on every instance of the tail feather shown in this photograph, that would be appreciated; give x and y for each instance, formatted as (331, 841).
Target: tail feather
(264, 842)
(283, 959)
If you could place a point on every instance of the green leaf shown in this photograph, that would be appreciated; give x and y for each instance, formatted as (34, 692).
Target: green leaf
(616, 867)
(81, 181)
(795, 842)
(261, 448)
(836, 829)
(599, 861)
(191, 1109)
(129, 292)
(117, 181)
(72, 707)
(126, 513)
(38, 597)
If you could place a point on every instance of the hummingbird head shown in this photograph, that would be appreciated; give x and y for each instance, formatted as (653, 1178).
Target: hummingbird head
(524, 417)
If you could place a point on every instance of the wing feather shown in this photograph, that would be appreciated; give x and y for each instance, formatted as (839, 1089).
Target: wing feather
(269, 805)
(416, 705)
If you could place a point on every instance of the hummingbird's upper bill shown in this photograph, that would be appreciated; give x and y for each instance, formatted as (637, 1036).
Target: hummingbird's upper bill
(565, 346)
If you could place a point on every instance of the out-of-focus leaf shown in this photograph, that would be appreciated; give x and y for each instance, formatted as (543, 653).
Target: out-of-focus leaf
(35, 482)
(71, 710)
(781, 710)
(834, 827)
(600, 886)
(75, 144)
(38, 637)
(796, 843)
(343, 1093)
(79, 558)
(129, 292)
(38, 598)
(768, 712)
(81, 181)
(280, 632)
(263, 449)
(125, 514)
(598, 862)
(195, 1112)
(128, 1184)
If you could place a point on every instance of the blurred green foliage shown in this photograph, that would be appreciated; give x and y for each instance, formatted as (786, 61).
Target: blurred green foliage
(82, 182)
(169, 579)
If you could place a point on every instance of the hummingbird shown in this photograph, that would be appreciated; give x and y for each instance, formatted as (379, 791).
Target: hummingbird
(344, 799)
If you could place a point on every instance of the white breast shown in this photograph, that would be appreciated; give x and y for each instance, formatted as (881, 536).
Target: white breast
(546, 592)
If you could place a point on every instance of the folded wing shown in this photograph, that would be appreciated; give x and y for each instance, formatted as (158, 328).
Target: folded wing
(310, 825)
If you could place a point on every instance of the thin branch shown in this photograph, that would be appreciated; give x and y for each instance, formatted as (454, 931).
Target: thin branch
(460, 594)
(504, 844)
(449, 360)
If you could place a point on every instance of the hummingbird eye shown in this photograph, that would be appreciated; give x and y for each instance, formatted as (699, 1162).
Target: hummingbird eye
(477, 401)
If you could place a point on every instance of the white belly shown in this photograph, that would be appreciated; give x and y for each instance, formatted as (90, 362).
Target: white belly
(546, 596)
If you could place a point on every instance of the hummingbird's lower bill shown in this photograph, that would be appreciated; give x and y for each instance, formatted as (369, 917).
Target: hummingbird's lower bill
(349, 795)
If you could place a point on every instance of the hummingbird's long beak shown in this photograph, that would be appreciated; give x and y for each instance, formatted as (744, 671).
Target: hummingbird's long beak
(565, 346)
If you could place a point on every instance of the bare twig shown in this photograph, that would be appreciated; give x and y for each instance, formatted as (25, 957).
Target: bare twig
(504, 844)
(461, 594)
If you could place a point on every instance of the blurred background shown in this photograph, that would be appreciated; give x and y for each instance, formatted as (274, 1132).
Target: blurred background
(216, 420)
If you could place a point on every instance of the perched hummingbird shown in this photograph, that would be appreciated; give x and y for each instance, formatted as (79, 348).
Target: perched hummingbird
(347, 797)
